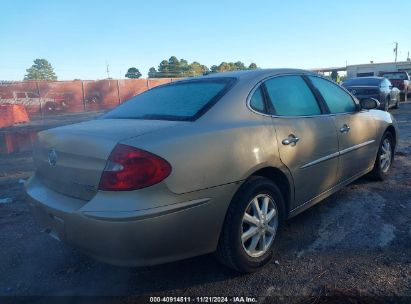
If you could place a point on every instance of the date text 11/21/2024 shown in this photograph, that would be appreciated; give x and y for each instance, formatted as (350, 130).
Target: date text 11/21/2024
(239, 299)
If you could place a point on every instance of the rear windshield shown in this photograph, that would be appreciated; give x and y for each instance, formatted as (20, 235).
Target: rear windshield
(362, 81)
(397, 76)
(183, 100)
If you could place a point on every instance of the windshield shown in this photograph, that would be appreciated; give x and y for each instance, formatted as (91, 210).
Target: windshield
(362, 81)
(185, 100)
(397, 76)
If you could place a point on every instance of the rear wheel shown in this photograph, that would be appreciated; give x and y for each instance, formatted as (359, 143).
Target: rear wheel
(248, 237)
(384, 158)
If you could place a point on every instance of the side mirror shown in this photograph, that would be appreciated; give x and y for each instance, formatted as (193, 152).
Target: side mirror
(369, 103)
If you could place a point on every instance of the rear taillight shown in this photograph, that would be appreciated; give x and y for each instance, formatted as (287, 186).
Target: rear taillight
(129, 168)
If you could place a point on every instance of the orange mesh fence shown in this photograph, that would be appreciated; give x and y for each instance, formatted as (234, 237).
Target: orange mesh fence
(155, 82)
(131, 87)
(61, 97)
(100, 94)
(57, 97)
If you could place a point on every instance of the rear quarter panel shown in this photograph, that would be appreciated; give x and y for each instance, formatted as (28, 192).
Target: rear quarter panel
(204, 155)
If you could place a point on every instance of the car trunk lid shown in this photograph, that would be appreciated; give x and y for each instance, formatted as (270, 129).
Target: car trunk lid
(363, 90)
(70, 159)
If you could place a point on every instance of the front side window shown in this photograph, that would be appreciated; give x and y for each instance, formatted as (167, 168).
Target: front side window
(186, 100)
(290, 96)
(337, 99)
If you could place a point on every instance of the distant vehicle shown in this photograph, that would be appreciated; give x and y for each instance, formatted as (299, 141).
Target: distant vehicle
(23, 98)
(57, 102)
(51, 103)
(206, 164)
(400, 80)
(379, 88)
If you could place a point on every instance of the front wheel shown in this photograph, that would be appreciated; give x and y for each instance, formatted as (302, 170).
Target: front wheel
(387, 103)
(403, 96)
(385, 157)
(248, 237)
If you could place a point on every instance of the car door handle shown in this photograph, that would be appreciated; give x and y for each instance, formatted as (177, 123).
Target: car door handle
(345, 128)
(290, 140)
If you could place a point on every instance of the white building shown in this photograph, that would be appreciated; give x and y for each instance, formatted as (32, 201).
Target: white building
(375, 69)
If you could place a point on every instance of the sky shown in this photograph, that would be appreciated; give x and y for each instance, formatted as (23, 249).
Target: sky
(80, 38)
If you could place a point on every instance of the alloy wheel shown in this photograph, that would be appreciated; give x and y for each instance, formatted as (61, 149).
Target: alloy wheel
(259, 225)
(385, 155)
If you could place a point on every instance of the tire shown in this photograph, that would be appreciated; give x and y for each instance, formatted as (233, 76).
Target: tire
(380, 171)
(51, 107)
(387, 103)
(403, 97)
(397, 104)
(237, 254)
(406, 96)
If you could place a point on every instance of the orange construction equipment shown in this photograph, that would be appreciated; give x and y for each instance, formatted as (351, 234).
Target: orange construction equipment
(12, 114)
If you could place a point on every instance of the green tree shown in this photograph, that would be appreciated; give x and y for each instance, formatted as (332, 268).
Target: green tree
(184, 67)
(174, 69)
(163, 69)
(239, 66)
(214, 69)
(196, 69)
(231, 66)
(252, 66)
(224, 67)
(152, 73)
(133, 73)
(40, 70)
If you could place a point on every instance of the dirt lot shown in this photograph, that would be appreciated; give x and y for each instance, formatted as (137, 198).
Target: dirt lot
(355, 243)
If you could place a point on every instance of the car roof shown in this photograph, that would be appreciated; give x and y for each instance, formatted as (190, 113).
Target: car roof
(369, 77)
(257, 73)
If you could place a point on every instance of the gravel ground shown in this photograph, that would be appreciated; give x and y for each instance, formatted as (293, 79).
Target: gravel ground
(355, 243)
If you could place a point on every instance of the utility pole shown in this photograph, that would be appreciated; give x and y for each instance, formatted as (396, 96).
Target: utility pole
(396, 50)
(108, 71)
(408, 56)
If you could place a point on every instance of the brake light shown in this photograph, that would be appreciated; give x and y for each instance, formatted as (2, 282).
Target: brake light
(129, 168)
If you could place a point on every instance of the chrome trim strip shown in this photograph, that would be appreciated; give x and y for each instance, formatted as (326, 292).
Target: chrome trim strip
(322, 159)
(333, 155)
(122, 216)
(318, 198)
(345, 151)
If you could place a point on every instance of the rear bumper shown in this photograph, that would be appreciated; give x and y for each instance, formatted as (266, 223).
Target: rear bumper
(134, 238)
(376, 96)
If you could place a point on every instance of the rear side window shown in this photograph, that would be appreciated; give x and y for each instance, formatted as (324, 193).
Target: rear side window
(290, 96)
(337, 99)
(186, 100)
(257, 100)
